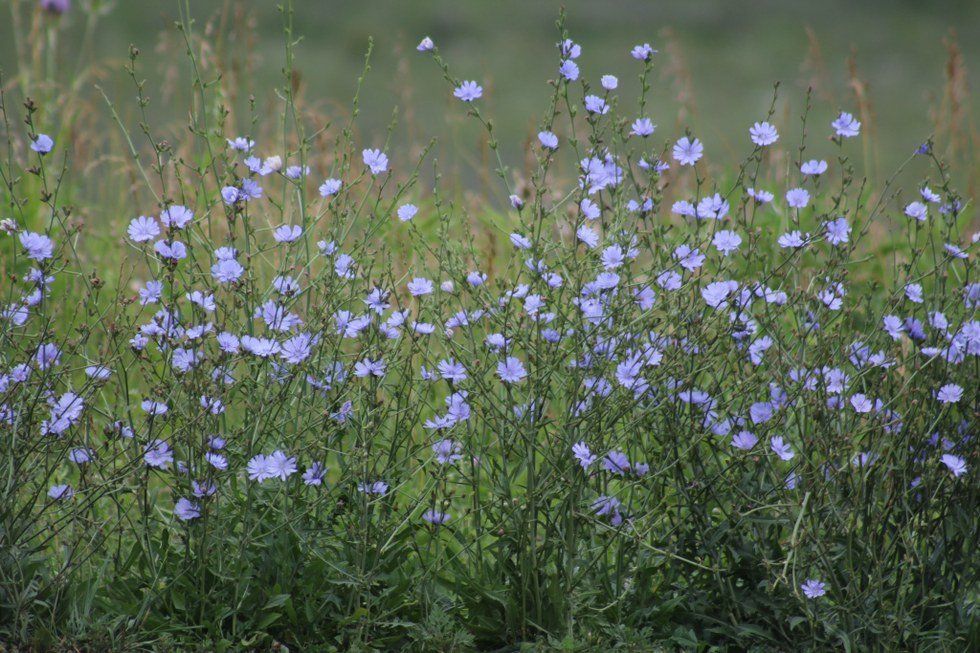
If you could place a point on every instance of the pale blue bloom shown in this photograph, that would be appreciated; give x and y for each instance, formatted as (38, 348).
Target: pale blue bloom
(375, 160)
(468, 91)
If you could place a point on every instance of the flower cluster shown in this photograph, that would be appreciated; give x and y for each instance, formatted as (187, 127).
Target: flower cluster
(657, 363)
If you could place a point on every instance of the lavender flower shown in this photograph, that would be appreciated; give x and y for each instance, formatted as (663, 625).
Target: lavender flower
(154, 407)
(447, 452)
(420, 286)
(813, 167)
(375, 160)
(451, 370)
(548, 140)
(763, 134)
(60, 492)
(287, 233)
(955, 464)
(596, 105)
(186, 510)
(511, 370)
(176, 217)
(435, 517)
(158, 454)
(642, 127)
(231, 195)
(813, 589)
(314, 474)
(42, 144)
(568, 70)
(616, 462)
(226, 271)
(861, 403)
(467, 92)
(913, 292)
(142, 229)
(39, 247)
(377, 487)
(780, 448)
(687, 152)
(838, 231)
(241, 144)
(606, 506)
(793, 240)
(171, 250)
(744, 440)
(949, 393)
(797, 198)
(297, 349)
(845, 125)
(726, 241)
(583, 455)
(279, 465)
(407, 211)
(642, 52)
(331, 187)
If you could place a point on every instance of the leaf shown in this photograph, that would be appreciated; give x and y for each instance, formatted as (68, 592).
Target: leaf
(277, 601)
(268, 619)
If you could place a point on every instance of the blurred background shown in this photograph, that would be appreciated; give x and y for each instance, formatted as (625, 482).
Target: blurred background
(906, 66)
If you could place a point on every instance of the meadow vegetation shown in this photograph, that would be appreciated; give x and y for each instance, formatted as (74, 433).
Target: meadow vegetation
(269, 381)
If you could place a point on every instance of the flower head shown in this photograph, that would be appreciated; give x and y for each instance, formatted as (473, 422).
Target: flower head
(780, 448)
(60, 492)
(569, 70)
(838, 231)
(813, 588)
(39, 247)
(548, 140)
(797, 198)
(330, 187)
(687, 152)
(142, 229)
(176, 217)
(447, 451)
(287, 233)
(955, 464)
(241, 143)
(314, 474)
(407, 211)
(42, 144)
(763, 134)
(511, 370)
(846, 126)
(420, 286)
(596, 105)
(949, 393)
(435, 517)
(375, 160)
(186, 510)
(726, 241)
(468, 91)
(642, 127)
(642, 52)
(158, 454)
(813, 167)
(583, 454)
